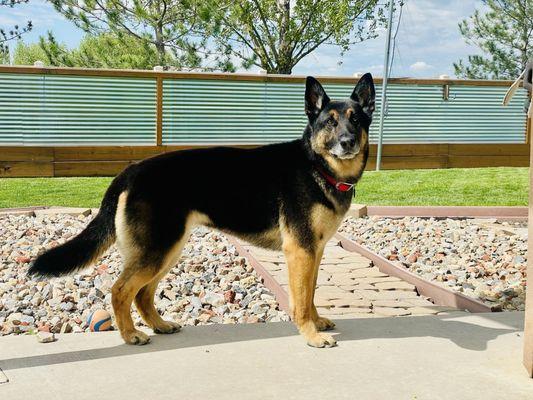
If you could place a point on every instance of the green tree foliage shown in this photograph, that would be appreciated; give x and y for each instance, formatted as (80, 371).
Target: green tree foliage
(276, 34)
(101, 51)
(505, 35)
(172, 27)
(27, 54)
(13, 33)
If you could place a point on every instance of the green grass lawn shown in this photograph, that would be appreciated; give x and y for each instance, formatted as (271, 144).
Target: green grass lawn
(445, 187)
(479, 186)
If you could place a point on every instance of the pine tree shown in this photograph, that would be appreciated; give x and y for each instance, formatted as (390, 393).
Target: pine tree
(169, 26)
(14, 33)
(504, 34)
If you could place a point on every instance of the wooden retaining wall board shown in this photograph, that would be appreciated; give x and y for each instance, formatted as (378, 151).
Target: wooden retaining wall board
(440, 295)
(25, 161)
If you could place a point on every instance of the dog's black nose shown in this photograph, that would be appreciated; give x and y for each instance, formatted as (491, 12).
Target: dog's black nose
(347, 143)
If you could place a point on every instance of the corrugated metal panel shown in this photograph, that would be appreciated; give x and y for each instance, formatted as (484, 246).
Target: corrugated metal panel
(63, 110)
(209, 111)
(15, 91)
(473, 114)
(206, 111)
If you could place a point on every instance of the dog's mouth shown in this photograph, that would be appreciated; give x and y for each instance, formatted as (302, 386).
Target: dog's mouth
(342, 154)
(345, 156)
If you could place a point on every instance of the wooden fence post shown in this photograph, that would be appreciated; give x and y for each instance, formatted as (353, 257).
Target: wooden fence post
(528, 323)
(159, 111)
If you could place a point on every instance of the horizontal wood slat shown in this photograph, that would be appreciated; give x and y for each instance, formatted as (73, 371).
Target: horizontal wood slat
(105, 153)
(18, 169)
(512, 149)
(12, 153)
(90, 168)
(110, 160)
(479, 161)
(235, 77)
(406, 162)
(395, 150)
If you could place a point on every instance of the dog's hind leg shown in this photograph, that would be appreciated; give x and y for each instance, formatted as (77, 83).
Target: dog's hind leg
(144, 300)
(128, 284)
(302, 264)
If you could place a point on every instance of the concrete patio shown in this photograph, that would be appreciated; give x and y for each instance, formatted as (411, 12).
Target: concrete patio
(477, 356)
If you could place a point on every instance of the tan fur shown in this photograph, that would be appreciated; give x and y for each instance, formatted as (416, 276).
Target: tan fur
(349, 112)
(324, 223)
(346, 169)
(139, 281)
(321, 323)
(124, 240)
(270, 239)
(334, 114)
(319, 140)
(302, 266)
(343, 168)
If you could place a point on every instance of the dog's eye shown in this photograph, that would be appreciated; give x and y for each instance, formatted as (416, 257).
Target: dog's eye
(332, 121)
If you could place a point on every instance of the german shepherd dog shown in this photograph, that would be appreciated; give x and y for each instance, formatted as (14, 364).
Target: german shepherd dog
(290, 196)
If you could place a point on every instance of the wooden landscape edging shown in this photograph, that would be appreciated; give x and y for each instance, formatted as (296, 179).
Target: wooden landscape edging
(268, 280)
(499, 212)
(438, 294)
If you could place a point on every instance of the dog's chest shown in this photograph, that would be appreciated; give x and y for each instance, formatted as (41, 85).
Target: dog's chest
(324, 222)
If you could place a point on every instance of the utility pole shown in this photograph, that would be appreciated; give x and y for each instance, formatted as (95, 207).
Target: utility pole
(384, 88)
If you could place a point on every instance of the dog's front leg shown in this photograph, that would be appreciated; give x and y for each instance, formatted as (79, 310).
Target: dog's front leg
(301, 264)
(322, 323)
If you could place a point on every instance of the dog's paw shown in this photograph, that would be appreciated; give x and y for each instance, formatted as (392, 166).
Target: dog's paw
(167, 327)
(324, 324)
(136, 337)
(321, 340)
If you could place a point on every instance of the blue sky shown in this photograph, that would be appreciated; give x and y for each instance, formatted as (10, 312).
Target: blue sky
(427, 44)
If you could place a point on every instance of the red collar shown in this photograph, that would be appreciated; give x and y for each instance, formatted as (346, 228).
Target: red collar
(341, 186)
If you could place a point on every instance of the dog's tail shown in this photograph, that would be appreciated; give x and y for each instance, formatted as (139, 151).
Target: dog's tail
(91, 243)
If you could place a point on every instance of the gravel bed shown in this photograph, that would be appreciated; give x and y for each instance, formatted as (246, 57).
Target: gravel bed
(211, 284)
(482, 259)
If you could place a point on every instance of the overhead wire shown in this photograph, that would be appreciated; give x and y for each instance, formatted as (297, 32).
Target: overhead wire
(391, 64)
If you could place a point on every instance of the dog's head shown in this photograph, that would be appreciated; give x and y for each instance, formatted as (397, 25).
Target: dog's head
(339, 129)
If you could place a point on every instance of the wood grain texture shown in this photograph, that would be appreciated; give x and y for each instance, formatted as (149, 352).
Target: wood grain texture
(110, 160)
(89, 168)
(528, 323)
(21, 153)
(19, 169)
(438, 294)
(159, 112)
(235, 77)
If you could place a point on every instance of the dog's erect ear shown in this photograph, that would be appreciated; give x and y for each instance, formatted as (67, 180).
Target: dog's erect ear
(315, 97)
(365, 94)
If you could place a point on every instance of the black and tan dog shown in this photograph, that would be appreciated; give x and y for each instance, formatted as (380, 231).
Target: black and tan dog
(289, 196)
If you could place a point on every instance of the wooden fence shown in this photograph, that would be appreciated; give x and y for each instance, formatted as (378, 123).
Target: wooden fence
(30, 157)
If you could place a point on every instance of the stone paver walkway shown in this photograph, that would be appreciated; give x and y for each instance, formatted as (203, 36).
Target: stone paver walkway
(349, 286)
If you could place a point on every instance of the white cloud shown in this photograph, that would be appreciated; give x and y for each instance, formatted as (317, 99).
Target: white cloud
(420, 66)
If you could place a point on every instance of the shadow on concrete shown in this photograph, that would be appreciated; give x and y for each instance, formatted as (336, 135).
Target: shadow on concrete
(468, 333)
